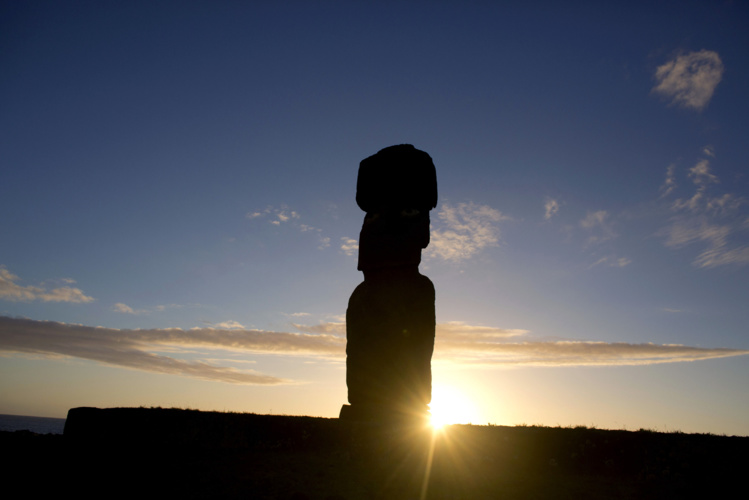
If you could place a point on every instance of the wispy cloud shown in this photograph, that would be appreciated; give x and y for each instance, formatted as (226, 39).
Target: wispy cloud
(596, 232)
(283, 215)
(10, 290)
(349, 246)
(456, 342)
(332, 327)
(719, 255)
(473, 345)
(713, 219)
(274, 215)
(459, 232)
(323, 242)
(230, 325)
(686, 230)
(458, 331)
(580, 353)
(611, 261)
(701, 174)
(689, 80)
(670, 183)
(463, 230)
(702, 178)
(599, 227)
(551, 207)
(125, 309)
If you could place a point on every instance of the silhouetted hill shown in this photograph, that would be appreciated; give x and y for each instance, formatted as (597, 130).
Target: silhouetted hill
(152, 453)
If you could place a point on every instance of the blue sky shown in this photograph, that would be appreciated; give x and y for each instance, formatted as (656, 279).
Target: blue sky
(180, 227)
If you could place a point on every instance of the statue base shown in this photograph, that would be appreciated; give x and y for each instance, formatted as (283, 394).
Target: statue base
(360, 413)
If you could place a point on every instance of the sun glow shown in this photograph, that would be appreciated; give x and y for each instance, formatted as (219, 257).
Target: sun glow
(450, 406)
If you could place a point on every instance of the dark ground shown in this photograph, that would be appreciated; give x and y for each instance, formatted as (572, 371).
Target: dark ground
(160, 453)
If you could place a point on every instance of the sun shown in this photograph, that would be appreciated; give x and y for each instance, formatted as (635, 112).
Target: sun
(450, 406)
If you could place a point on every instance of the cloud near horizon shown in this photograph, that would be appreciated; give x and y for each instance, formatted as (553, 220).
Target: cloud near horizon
(584, 353)
(133, 348)
(10, 290)
(456, 342)
(126, 309)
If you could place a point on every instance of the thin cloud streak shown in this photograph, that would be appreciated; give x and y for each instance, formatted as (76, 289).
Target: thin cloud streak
(579, 353)
(457, 331)
(333, 328)
(474, 346)
(123, 308)
(132, 348)
(230, 325)
(611, 261)
(456, 342)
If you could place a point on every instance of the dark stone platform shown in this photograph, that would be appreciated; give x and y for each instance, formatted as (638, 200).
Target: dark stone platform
(169, 427)
(172, 453)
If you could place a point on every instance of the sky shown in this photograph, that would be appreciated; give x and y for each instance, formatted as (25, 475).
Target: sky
(179, 225)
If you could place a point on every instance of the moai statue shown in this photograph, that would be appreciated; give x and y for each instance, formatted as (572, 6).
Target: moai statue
(390, 317)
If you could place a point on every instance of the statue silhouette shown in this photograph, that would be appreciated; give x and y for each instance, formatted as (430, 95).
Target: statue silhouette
(390, 319)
